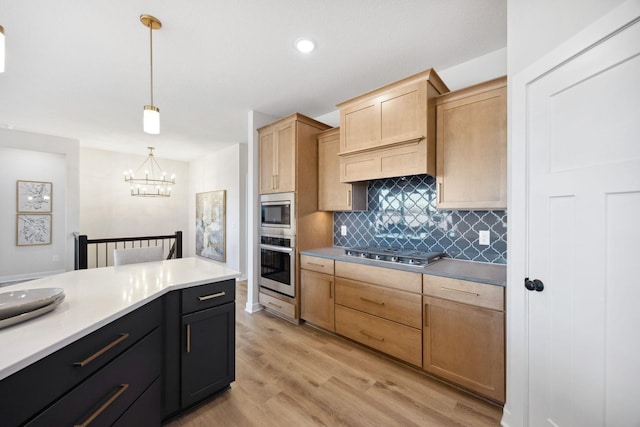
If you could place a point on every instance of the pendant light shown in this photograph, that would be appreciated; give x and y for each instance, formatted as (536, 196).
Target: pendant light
(151, 117)
(1, 49)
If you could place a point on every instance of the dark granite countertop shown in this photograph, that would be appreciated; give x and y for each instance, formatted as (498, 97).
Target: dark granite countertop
(482, 272)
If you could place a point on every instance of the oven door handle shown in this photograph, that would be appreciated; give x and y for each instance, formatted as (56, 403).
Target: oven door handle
(277, 248)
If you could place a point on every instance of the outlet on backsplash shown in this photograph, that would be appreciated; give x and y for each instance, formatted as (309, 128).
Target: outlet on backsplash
(484, 238)
(343, 230)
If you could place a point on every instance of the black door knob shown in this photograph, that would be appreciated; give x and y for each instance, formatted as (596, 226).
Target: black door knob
(533, 285)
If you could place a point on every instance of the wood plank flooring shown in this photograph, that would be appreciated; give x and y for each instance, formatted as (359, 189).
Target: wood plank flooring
(289, 375)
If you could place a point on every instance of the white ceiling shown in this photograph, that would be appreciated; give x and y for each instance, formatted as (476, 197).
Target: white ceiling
(80, 68)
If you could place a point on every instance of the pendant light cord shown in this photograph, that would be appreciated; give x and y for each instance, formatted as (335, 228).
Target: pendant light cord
(151, 56)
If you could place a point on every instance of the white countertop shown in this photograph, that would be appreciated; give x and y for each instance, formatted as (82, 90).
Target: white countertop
(94, 298)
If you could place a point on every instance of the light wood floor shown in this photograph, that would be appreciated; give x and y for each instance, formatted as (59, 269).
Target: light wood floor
(289, 375)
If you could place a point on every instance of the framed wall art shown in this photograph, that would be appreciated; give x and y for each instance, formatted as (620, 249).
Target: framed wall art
(34, 196)
(33, 229)
(211, 225)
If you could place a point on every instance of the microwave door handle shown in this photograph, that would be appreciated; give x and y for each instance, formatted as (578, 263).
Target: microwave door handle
(277, 248)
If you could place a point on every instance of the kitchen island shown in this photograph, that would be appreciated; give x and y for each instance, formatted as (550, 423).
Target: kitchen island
(111, 318)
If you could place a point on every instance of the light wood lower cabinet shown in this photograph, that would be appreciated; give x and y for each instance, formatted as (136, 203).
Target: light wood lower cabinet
(317, 291)
(317, 299)
(465, 343)
(277, 306)
(393, 338)
(391, 304)
(381, 310)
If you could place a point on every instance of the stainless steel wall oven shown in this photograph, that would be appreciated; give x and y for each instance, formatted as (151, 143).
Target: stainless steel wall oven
(278, 243)
(278, 264)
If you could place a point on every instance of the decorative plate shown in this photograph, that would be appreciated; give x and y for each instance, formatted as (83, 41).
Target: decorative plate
(17, 302)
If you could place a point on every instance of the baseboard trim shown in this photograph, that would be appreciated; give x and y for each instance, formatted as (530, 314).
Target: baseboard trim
(253, 308)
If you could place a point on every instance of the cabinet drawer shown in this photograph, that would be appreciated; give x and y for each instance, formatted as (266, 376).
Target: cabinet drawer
(206, 296)
(478, 294)
(397, 279)
(392, 338)
(321, 265)
(399, 306)
(146, 410)
(60, 369)
(107, 395)
(285, 308)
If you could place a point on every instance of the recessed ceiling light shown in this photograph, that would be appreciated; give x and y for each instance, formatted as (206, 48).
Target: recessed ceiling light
(305, 45)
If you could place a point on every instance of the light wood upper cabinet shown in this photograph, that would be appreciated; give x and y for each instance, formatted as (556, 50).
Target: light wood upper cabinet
(280, 153)
(277, 158)
(463, 340)
(472, 147)
(334, 195)
(390, 131)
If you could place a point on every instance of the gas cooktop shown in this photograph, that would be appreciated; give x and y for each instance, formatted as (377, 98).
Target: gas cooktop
(395, 255)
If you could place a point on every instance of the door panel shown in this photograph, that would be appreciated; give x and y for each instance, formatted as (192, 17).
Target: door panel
(583, 205)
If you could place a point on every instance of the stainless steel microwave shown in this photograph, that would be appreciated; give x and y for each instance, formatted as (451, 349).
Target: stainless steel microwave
(278, 214)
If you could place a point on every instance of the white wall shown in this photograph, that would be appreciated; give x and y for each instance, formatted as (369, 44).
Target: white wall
(35, 157)
(108, 210)
(225, 169)
(477, 70)
(535, 27)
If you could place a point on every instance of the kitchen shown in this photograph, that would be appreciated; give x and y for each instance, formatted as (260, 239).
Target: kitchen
(522, 51)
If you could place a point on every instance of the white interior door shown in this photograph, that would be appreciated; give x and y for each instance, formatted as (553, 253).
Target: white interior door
(583, 226)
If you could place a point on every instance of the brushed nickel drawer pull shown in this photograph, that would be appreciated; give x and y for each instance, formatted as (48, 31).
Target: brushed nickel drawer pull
(103, 350)
(371, 301)
(371, 336)
(274, 304)
(460, 290)
(208, 297)
(105, 405)
(188, 337)
(317, 265)
(426, 315)
(439, 192)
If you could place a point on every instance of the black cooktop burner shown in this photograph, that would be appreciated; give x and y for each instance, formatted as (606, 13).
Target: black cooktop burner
(396, 255)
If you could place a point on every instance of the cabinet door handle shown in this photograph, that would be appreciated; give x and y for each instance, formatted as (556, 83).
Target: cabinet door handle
(460, 290)
(426, 315)
(348, 197)
(317, 265)
(103, 350)
(368, 335)
(188, 338)
(277, 182)
(330, 286)
(105, 405)
(371, 301)
(438, 192)
(212, 296)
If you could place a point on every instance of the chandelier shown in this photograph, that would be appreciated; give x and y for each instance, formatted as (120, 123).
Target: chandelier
(154, 183)
(151, 116)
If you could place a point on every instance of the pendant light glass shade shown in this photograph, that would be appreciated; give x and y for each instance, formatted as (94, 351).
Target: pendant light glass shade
(1, 49)
(151, 120)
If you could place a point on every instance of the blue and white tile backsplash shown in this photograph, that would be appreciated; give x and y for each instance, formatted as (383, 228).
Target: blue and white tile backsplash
(402, 214)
